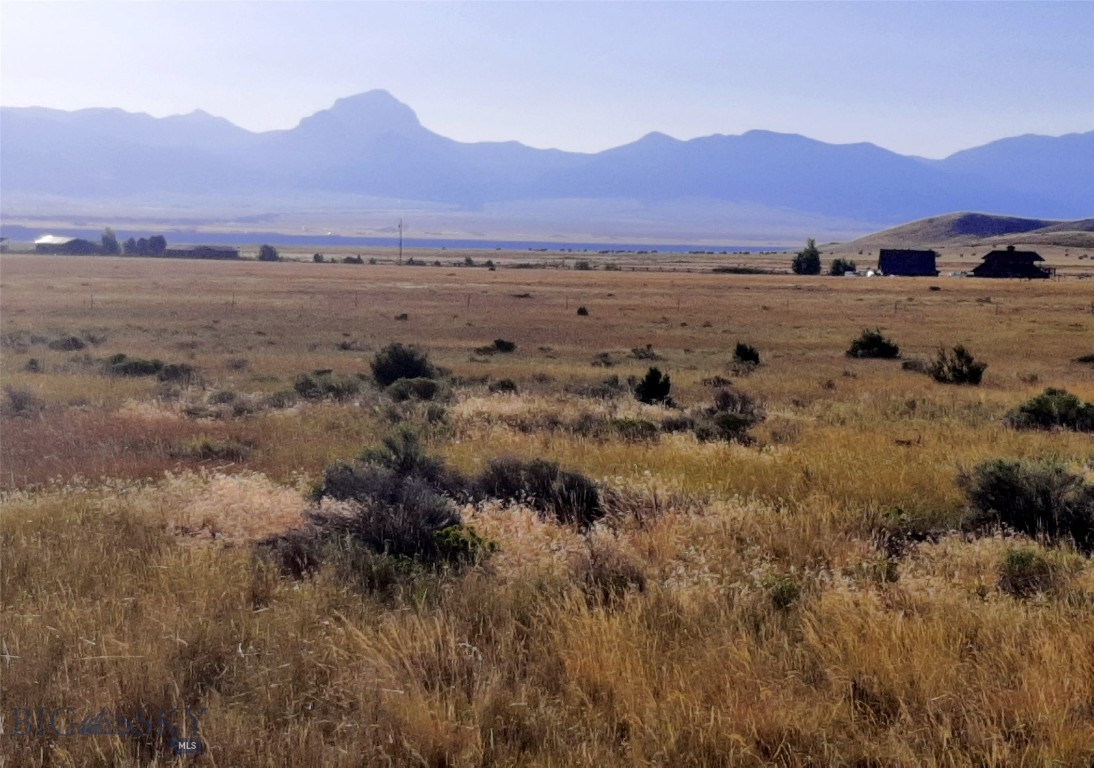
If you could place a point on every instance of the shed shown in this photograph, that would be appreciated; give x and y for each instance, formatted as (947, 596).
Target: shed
(1012, 263)
(907, 262)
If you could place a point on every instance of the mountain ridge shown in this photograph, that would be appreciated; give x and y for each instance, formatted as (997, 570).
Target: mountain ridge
(372, 146)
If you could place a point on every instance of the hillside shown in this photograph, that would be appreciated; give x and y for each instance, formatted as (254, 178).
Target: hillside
(973, 228)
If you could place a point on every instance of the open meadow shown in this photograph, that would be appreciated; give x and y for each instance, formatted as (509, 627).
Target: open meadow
(781, 566)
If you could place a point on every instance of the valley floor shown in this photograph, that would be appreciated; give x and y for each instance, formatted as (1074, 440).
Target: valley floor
(812, 595)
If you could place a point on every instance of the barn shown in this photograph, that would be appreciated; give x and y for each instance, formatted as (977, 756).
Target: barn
(67, 245)
(1012, 263)
(907, 263)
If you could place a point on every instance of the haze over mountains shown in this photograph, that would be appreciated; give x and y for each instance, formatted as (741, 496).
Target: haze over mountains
(369, 158)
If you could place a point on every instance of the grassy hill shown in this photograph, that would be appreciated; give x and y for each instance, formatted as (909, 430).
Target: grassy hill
(973, 228)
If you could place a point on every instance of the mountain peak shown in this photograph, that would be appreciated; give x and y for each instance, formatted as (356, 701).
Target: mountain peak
(371, 113)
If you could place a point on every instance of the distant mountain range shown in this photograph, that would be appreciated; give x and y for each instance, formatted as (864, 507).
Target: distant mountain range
(370, 154)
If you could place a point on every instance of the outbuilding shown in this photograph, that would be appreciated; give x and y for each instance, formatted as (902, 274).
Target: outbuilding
(907, 263)
(1012, 263)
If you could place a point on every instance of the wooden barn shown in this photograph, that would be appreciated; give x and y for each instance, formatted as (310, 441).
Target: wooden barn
(907, 263)
(1012, 263)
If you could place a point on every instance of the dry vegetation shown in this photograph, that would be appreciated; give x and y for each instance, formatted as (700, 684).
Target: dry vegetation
(812, 597)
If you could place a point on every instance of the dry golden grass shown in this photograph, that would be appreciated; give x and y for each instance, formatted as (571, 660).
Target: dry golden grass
(737, 608)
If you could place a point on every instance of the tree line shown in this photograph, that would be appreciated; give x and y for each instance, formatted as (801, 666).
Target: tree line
(156, 245)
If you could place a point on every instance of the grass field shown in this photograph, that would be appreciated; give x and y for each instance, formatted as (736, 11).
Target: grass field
(809, 597)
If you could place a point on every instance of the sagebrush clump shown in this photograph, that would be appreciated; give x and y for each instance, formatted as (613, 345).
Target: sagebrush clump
(1053, 409)
(396, 361)
(319, 385)
(1042, 499)
(413, 389)
(731, 416)
(957, 366)
(567, 496)
(874, 345)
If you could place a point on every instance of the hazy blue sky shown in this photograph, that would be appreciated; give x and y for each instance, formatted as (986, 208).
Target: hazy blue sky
(921, 78)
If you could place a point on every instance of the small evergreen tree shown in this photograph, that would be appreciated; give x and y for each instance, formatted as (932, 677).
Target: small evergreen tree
(110, 245)
(746, 354)
(807, 262)
(268, 253)
(654, 388)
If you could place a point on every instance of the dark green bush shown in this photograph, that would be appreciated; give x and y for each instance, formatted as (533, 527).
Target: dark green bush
(392, 515)
(582, 312)
(504, 346)
(1053, 408)
(402, 452)
(416, 389)
(1042, 499)
(841, 267)
(401, 517)
(396, 361)
(746, 354)
(957, 367)
(122, 365)
(569, 497)
(873, 344)
(654, 388)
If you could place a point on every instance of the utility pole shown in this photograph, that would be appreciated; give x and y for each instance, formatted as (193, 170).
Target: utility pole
(400, 241)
